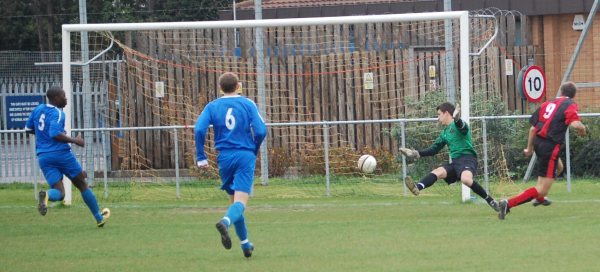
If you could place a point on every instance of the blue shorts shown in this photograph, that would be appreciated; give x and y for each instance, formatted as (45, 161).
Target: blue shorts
(236, 169)
(56, 164)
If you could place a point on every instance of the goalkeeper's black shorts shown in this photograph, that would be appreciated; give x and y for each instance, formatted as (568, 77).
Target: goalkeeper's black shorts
(457, 166)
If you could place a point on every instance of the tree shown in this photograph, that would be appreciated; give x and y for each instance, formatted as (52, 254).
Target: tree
(36, 25)
(16, 28)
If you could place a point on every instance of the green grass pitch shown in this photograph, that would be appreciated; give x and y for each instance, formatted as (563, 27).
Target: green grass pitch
(348, 233)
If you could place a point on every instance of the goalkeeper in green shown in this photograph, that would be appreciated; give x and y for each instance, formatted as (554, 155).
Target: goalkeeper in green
(457, 135)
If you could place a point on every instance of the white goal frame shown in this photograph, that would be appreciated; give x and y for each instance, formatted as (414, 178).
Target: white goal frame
(464, 62)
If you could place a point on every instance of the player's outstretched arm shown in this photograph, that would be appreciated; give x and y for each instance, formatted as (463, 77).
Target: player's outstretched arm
(578, 125)
(66, 139)
(435, 148)
(259, 127)
(456, 113)
(29, 129)
(460, 124)
(200, 130)
(529, 150)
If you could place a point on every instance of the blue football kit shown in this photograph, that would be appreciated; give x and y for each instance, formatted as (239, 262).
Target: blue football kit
(55, 158)
(239, 131)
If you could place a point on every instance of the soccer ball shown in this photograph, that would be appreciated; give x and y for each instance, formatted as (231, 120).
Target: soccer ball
(367, 164)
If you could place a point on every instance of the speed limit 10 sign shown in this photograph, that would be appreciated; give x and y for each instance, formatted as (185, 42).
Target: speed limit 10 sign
(532, 82)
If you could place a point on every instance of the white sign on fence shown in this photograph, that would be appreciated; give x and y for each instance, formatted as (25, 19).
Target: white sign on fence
(508, 64)
(159, 89)
(368, 81)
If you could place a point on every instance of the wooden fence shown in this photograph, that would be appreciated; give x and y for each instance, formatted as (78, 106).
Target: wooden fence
(299, 88)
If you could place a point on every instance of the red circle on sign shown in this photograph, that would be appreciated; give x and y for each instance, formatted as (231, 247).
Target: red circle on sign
(534, 81)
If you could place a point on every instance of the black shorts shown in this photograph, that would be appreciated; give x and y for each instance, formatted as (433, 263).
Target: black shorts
(547, 153)
(463, 163)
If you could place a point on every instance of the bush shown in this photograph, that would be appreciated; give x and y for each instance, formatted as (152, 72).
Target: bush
(585, 151)
(280, 160)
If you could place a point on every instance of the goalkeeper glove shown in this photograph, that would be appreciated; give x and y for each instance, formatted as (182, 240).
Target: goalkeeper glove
(456, 113)
(410, 153)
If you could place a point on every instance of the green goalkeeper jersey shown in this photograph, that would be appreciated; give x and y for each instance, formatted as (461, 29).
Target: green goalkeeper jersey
(458, 140)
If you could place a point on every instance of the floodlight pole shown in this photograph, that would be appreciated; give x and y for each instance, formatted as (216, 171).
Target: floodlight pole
(87, 95)
(565, 78)
(260, 85)
(450, 91)
(235, 33)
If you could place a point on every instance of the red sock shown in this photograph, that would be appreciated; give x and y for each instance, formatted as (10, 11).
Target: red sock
(540, 198)
(525, 196)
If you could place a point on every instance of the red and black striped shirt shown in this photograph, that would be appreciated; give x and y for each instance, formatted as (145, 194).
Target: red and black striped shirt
(551, 120)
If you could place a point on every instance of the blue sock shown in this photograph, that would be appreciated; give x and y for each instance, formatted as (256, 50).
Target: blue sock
(90, 200)
(54, 195)
(236, 210)
(241, 230)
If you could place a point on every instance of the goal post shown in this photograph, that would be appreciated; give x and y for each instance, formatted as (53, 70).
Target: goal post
(66, 79)
(465, 90)
(462, 17)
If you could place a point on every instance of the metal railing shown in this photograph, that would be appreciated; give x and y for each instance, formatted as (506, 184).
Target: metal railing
(18, 163)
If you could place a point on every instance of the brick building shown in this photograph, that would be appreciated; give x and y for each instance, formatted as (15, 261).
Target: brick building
(546, 24)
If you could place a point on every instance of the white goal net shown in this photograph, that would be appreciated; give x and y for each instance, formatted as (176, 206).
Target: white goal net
(328, 87)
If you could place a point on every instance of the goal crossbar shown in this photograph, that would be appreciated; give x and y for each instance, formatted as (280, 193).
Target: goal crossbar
(267, 22)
